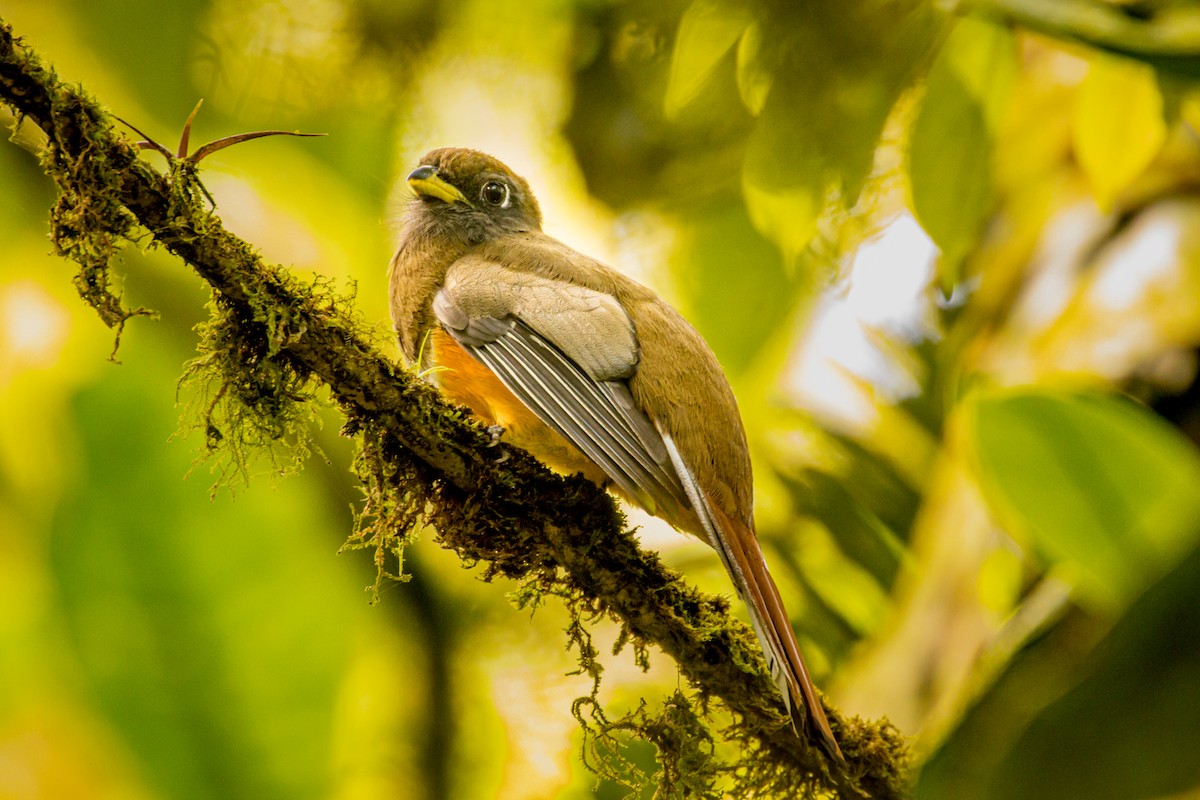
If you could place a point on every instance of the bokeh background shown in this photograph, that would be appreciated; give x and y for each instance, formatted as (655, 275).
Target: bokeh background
(949, 263)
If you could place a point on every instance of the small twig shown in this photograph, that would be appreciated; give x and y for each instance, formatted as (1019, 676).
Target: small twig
(1169, 38)
(181, 153)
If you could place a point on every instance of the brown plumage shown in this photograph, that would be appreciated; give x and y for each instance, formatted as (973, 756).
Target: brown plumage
(588, 370)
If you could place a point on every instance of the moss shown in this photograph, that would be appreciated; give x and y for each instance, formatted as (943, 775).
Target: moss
(88, 223)
(395, 496)
(248, 398)
(686, 760)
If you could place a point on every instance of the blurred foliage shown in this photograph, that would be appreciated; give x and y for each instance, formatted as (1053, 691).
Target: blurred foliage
(976, 457)
(950, 145)
(1102, 488)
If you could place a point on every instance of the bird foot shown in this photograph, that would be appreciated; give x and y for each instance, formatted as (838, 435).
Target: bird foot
(495, 432)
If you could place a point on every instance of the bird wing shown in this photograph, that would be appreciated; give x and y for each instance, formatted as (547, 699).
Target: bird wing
(566, 352)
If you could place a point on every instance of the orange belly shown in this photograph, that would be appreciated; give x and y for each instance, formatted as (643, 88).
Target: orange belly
(469, 383)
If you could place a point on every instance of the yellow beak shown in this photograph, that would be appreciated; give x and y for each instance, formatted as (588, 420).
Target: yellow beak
(426, 182)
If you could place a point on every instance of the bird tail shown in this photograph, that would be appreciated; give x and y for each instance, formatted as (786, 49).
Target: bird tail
(746, 565)
(738, 548)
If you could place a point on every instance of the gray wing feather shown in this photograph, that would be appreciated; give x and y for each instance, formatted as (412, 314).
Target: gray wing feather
(598, 417)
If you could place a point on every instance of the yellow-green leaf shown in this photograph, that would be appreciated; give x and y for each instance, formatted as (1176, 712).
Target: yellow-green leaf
(984, 57)
(753, 78)
(1119, 126)
(950, 149)
(1098, 485)
(706, 32)
(787, 216)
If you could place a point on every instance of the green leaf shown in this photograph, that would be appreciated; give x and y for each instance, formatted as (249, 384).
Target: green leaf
(949, 165)
(858, 531)
(708, 29)
(984, 58)
(1119, 125)
(950, 148)
(785, 215)
(1100, 486)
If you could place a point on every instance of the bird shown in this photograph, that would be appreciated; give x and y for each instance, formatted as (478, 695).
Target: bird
(588, 370)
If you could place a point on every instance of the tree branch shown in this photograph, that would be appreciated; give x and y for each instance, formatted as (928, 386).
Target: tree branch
(1168, 38)
(490, 503)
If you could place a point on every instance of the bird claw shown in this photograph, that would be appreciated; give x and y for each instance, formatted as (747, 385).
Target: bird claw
(494, 432)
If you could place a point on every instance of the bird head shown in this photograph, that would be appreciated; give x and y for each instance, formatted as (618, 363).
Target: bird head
(472, 195)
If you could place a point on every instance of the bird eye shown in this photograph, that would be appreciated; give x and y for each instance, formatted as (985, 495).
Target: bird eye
(495, 193)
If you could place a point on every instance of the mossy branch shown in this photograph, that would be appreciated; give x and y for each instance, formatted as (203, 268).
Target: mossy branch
(491, 503)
